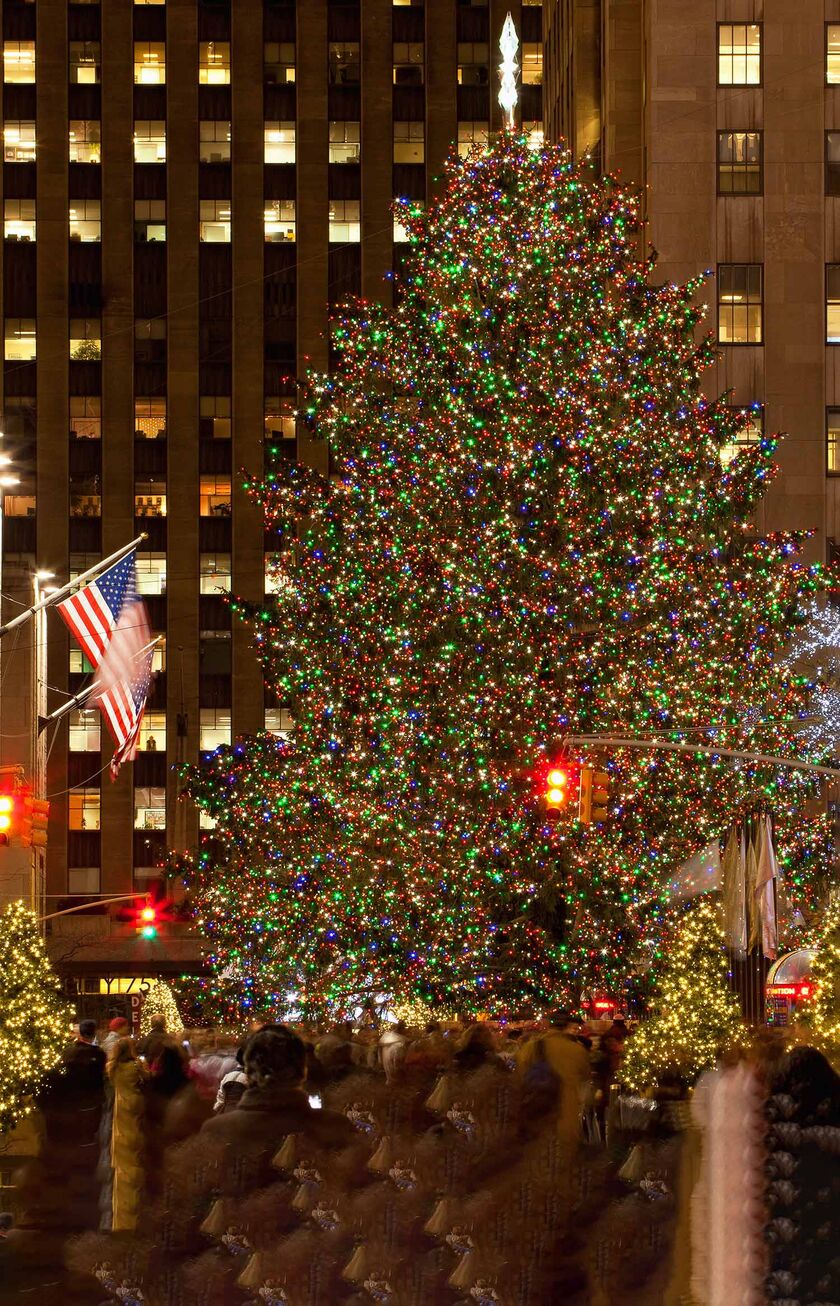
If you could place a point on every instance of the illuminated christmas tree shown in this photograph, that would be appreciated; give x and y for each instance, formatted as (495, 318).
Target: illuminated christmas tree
(528, 532)
(821, 1013)
(695, 1016)
(160, 1001)
(34, 1018)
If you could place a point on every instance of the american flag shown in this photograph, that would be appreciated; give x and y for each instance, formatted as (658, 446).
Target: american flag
(112, 626)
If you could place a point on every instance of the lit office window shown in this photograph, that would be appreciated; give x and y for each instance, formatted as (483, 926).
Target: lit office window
(345, 222)
(159, 652)
(85, 140)
(83, 731)
(83, 809)
(345, 142)
(214, 63)
(149, 141)
(832, 303)
(279, 220)
(739, 54)
(532, 63)
(473, 63)
(832, 163)
(535, 134)
(832, 441)
(740, 303)
(274, 583)
(279, 142)
(85, 59)
(19, 339)
(214, 728)
(739, 163)
(85, 417)
(750, 433)
(278, 419)
(149, 220)
(86, 339)
(344, 63)
(470, 134)
(149, 497)
(18, 61)
(408, 63)
(149, 417)
(150, 2)
(832, 54)
(149, 806)
(214, 221)
(214, 496)
(85, 496)
(152, 733)
(19, 142)
(19, 220)
(214, 141)
(150, 62)
(85, 220)
(409, 142)
(279, 63)
(151, 573)
(214, 574)
(214, 422)
(279, 721)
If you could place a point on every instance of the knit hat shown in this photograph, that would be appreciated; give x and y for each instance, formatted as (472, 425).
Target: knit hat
(119, 1022)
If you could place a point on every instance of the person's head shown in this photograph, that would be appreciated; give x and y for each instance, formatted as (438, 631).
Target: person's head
(400, 1027)
(432, 1027)
(564, 1021)
(169, 1067)
(157, 1025)
(274, 1057)
(475, 1045)
(119, 1025)
(334, 1058)
(87, 1030)
(122, 1052)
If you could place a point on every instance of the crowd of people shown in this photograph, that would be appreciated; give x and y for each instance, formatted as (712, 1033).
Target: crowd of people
(465, 1165)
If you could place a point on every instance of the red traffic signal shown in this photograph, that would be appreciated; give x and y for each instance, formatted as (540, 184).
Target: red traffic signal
(23, 819)
(147, 919)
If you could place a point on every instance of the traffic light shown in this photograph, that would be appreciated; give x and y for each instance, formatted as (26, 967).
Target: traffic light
(147, 921)
(7, 818)
(594, 795)
(559, 788)
(38, 813)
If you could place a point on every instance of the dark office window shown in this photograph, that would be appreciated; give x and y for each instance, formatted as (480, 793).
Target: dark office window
(832, 163)
(739, 163)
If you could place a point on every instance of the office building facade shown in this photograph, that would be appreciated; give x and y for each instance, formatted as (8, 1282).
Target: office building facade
(188, 186)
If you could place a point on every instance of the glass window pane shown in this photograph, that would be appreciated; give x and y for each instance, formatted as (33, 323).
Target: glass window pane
(832, 54)
(832, 435)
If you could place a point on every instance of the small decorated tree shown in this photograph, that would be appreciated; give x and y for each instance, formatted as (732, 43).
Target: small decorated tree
(821, 1013)
(34, 1018)
(695, 1015)
(160, 1001)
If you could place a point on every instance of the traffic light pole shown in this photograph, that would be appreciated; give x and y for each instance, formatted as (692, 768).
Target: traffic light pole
(98, 902)
(709, 750)
(38, 760)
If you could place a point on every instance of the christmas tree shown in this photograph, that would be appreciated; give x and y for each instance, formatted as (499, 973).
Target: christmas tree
(160, 1001)
(34, 1019)
(528, 532)
(821, 1013)
(695, 1016)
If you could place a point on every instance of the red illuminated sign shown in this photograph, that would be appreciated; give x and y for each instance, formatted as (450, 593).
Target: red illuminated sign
(802, 990)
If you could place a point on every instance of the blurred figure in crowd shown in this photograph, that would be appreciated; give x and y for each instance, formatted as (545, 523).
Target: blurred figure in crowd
(150, 1045)
(118, 1028)
(128, 1076)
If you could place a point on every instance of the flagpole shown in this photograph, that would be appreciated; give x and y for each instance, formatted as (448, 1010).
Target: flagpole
(61, 711)
(58, 594)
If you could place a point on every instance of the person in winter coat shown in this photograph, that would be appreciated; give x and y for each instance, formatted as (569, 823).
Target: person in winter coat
(393, 1046)
(150, 1045)
(273, 1105)
(565, 1056)
(117, 1028)
(127, 1075)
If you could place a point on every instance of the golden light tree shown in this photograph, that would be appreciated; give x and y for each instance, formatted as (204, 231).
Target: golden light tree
(821, 1013)
(695, 1014)
(160, 1001)
(34, 1018)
